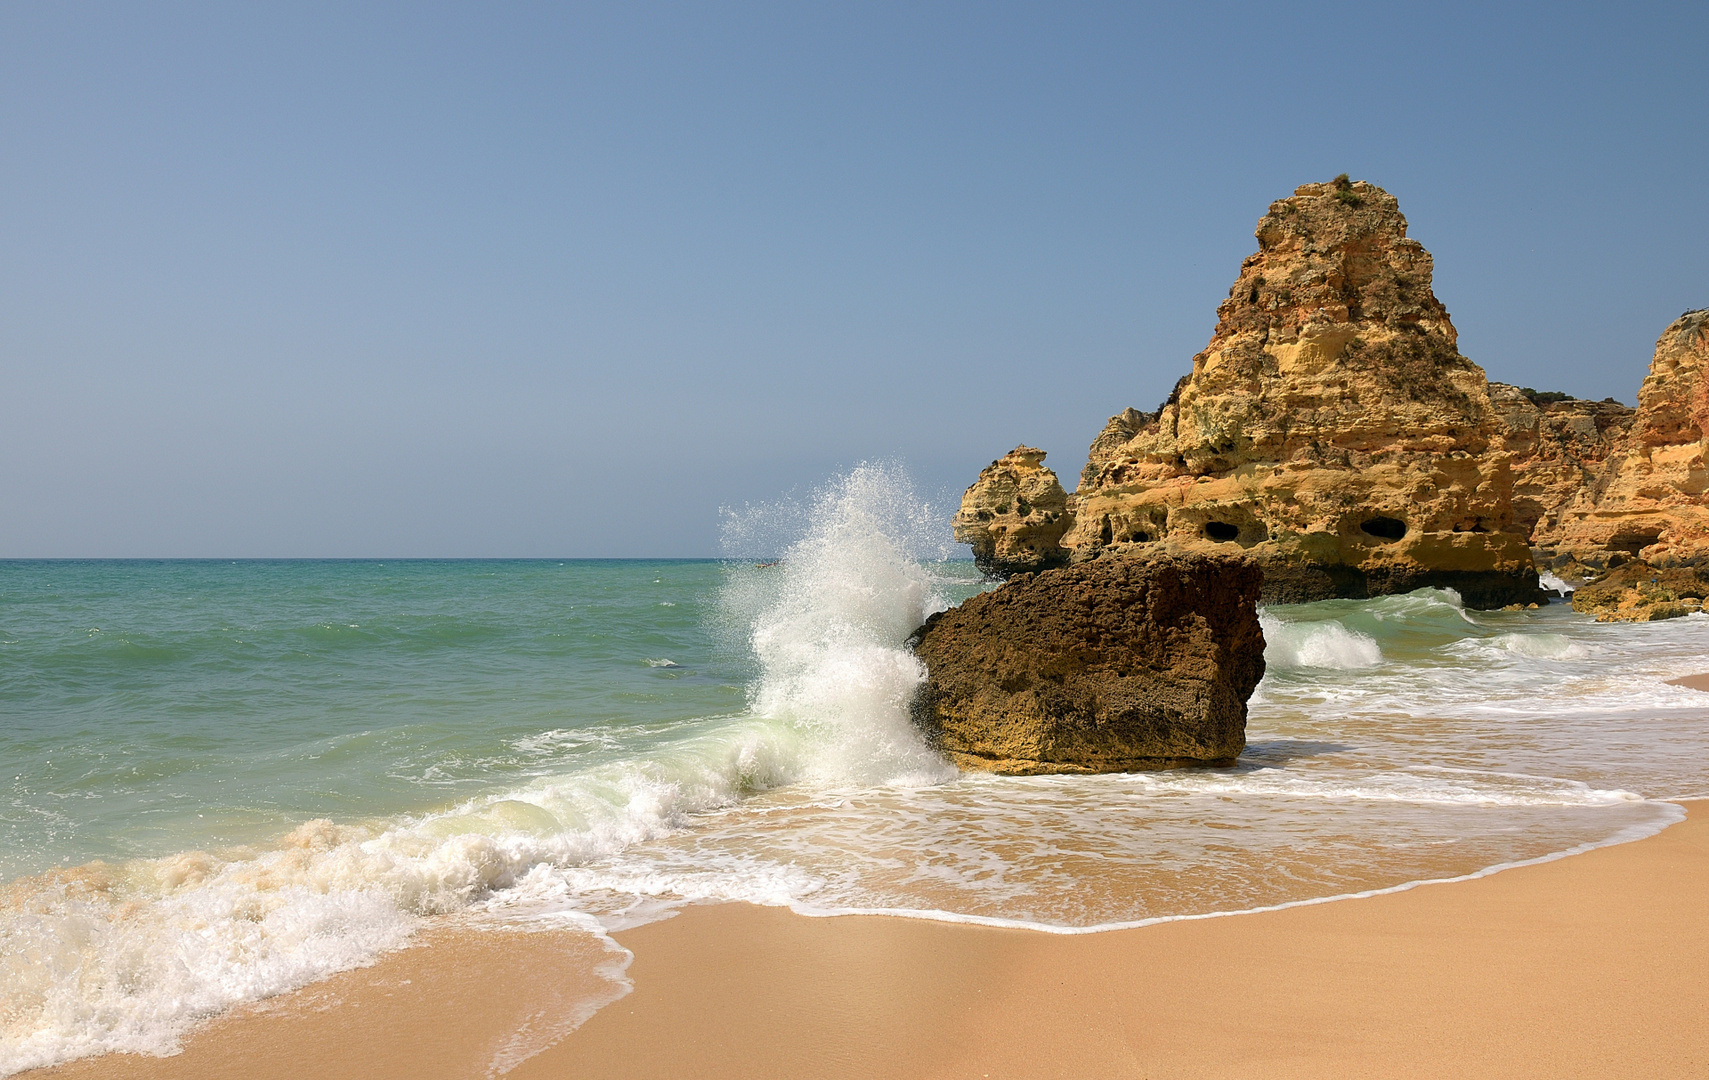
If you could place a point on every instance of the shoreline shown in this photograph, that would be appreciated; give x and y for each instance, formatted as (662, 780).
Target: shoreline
(1574, 965)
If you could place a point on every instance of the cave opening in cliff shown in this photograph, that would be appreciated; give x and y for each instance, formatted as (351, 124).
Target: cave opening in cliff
(1385, 528)
(1632, 542)
(1221, 531)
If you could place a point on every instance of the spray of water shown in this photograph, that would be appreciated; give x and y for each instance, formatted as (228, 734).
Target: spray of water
(827, 624)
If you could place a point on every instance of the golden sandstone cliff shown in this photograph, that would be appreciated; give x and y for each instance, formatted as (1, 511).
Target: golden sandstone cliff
(1649, 499)
(1557, 445)
(1332, 433)
(1645, 513)
(1330, 441)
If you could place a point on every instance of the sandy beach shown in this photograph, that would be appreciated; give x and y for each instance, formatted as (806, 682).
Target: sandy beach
(1586, 966)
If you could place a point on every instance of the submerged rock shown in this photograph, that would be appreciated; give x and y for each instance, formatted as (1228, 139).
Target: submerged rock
(1110, 665)
(1331, 431)
(1014, 515)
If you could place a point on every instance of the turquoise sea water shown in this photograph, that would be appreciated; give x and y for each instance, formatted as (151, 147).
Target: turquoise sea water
(227, 779)
(154, 707)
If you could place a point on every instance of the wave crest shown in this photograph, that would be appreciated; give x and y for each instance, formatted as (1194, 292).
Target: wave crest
(1322, 644)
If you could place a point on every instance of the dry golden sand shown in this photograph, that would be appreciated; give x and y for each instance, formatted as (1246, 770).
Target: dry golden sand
(1594, 966)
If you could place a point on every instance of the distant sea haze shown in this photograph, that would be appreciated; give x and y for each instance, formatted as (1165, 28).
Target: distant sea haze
(225, 779)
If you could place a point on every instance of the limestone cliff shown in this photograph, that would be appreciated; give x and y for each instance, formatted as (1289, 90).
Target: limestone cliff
(1331, 429)
(1651, 498)
(1557, 446)
(1014, 515)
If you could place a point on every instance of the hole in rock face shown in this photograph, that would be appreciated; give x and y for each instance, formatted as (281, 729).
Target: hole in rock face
(1221, 531)
(1632, 543)
(1385, 528)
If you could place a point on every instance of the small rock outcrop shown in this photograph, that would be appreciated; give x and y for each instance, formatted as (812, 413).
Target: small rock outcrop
(1639, 592)
(1014, 515)
(1110, 665)
(1331, 430)
(1651, 498)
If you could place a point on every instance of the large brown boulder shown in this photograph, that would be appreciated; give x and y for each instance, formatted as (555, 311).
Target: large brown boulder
(1110, 665)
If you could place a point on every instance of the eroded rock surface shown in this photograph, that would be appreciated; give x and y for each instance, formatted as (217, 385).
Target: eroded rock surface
(1639, 592)
(1014, 515)
(1110, 665)
(1558, 446)
(1651, 499)
(1331, 429)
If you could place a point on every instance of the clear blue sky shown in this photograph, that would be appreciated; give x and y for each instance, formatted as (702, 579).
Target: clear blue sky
(488, 279)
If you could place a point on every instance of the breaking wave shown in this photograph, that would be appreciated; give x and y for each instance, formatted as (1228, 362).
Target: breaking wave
(1324, 644)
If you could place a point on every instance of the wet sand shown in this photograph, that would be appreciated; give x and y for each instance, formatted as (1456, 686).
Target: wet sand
(1595, 965)
(1692, 682)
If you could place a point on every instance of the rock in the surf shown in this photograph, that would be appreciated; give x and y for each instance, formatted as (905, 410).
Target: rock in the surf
(1639, 592)
(1014, 515)
(1110, 665)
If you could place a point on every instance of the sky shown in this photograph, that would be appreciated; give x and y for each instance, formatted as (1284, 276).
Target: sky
(476, 280)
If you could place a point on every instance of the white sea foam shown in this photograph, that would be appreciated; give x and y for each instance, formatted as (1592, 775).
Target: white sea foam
(1541, 646)
(1667, 814)
(124, 958)
(1548, 579)
(1423, 787)
(830, 629)
(1325, 644)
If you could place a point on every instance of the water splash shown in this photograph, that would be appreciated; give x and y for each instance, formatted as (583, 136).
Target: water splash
(828, 628)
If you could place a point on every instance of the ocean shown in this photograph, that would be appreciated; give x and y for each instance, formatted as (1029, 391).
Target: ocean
(226, 779)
